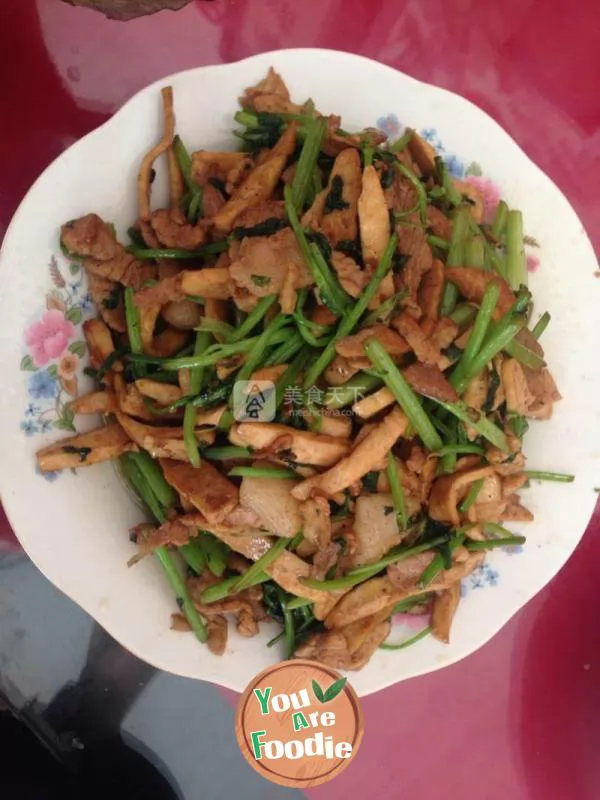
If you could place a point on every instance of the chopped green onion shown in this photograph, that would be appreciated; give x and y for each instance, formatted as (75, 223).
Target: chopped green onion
(541, 325)
(217, 327)
(154, 477)
(490, 544)
(140, 485)
(383, 311)
(263, 342)
(472, 495)
(406, 605)
(397, 491)
(259, 566)
(420, 189)
(478, 422)
(362, 574)
(463, 315)
(298, 602)
(352, 317)
(475, 252)
(403, 393)
(219, 591)
(401, 143)
(145, 254)
(455, 258)
(331, 292)
(516, 271)
(262, 472)
(132, 320)
(306, 163)
(540, 475)
(452, 194)
(497, 530)
(437, 565)
(460, 376)
(499, 223)
(351, 391)
(189, 417)
(460, 449)
(253, 318)
(194, 556)
(213, 354)
(527, 357)
(436, 241)
(227, 453)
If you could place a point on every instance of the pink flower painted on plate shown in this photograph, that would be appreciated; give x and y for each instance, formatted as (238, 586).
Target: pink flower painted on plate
(490, 191)
(49, 337)
(533, 263)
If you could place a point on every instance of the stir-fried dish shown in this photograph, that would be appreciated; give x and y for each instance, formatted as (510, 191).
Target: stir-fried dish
(316, 366)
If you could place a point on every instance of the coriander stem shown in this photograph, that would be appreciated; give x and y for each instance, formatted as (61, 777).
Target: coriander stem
(397, 491)
(262, 472)
(541, 475)
(515, 250)
(406, 398)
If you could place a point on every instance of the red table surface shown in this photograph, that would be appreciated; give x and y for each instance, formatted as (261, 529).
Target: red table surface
(519, 719)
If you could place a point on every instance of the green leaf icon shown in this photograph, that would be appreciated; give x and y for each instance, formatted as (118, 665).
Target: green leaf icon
(335, 689)
(331, 693)
(318, 692)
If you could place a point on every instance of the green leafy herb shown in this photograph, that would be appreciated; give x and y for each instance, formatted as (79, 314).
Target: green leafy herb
(518, 424)
(266, 228)
(335, 200)
(112, 301)
(370, 481)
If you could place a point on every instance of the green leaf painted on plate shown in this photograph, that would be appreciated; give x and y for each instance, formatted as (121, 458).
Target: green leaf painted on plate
(27, 364)
(74, 315)
(78, 348)
(473, 169)
(74, 268)
(53, 371)
(64, 425)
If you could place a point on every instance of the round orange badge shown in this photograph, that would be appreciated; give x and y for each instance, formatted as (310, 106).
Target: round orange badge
(299, 723)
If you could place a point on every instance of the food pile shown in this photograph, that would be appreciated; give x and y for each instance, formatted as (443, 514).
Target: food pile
(316, 366)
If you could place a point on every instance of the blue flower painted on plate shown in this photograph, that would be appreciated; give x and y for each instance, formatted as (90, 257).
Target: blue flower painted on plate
(49, 476)
(55, 352)
(391, 126)
(456, 167)
(42, 385)
(29, 427)
(86, 303)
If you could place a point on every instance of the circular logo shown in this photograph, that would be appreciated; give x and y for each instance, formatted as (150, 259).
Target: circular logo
(299, 723)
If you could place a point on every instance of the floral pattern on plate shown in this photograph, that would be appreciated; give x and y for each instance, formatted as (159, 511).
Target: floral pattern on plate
(55, 349)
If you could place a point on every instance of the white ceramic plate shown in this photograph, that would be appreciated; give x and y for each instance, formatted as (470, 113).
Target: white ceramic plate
(75, 527)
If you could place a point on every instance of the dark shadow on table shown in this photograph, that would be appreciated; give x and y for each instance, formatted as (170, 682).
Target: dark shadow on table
(74, 748)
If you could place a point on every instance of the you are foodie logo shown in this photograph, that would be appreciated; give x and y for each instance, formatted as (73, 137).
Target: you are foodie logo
(299, 723)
